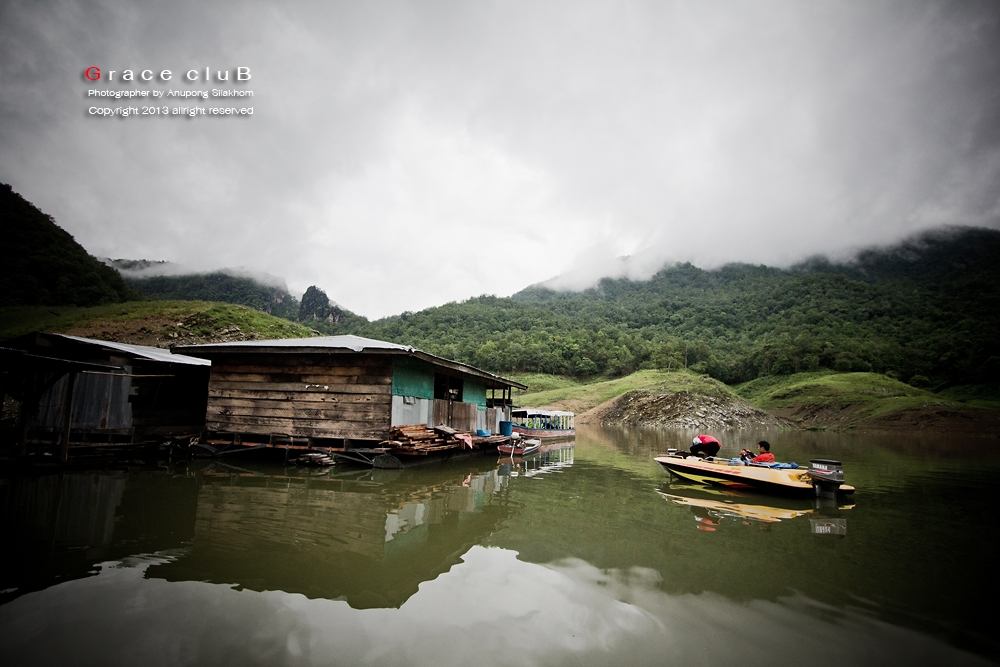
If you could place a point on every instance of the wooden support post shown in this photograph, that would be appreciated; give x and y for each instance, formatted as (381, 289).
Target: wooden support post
(67, 417)
(23, 415)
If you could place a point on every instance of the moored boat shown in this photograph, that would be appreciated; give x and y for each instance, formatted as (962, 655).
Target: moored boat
(521, 447)
(543, 424)
(823, 477)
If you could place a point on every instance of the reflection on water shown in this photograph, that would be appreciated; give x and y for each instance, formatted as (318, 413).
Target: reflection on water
(368, 537)
(549, 459)
(713, 507)
(584, 554)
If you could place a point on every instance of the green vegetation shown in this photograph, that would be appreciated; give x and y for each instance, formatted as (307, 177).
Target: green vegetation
(926, 312)
(823, 398)
(981, 396)
(43, 264)
(315, 309)
(847, 387)
(537, 382)
(581, 397)
(149, 321)
(219, 286)
(863, 395)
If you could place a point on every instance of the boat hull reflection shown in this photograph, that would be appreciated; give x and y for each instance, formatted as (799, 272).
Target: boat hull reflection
(549, 458)
(712, 507)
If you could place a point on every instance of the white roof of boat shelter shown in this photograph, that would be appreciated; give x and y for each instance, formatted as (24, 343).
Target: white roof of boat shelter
(538, 412)
(345, 344)
(332, 343)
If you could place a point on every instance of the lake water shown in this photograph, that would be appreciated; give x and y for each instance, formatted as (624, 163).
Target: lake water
(584, 555)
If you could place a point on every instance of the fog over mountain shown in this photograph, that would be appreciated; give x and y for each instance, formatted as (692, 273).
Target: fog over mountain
(149, 268)
(403, 154)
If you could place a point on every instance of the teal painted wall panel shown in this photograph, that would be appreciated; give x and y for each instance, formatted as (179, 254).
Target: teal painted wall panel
(474, 392)
(412, 378)
(415, 378)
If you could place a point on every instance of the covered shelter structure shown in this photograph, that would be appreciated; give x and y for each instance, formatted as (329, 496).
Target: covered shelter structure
(337, 391)
(75, 393)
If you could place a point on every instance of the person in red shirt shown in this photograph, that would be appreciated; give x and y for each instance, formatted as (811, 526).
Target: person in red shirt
(764, 454)
(705, 445)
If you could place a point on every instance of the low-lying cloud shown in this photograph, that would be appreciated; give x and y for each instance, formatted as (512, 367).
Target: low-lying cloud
(402, 156)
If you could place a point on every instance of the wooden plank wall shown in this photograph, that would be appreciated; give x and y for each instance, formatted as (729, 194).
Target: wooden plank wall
(320, 396)
(463, 415)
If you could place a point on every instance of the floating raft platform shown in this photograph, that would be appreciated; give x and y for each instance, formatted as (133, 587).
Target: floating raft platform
(419, 443)
(405, 446)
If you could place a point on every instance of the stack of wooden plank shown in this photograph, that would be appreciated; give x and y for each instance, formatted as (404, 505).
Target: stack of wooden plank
(421, 439)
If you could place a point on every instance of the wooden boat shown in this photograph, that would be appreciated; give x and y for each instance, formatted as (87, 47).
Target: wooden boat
(543, 424)
(520, 448)
(823, 477)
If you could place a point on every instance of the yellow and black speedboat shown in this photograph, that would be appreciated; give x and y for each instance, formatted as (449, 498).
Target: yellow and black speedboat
(823, 477)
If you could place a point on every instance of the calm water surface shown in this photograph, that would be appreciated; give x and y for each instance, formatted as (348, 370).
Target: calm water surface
(585, 555)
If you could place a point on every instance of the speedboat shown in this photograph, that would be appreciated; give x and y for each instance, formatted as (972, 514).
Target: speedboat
(823, 477)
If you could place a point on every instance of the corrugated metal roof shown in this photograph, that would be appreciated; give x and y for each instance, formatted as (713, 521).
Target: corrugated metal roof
(144, 351)
(348, 342)
(354, 343)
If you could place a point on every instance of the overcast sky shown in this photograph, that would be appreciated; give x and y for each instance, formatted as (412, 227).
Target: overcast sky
(406, 154)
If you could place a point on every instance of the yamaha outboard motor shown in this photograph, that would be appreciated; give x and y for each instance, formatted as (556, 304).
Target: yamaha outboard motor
(827, 475)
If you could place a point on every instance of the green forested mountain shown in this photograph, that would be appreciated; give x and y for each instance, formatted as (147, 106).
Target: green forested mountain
(315, 309)
(218, 286)
(42, 264)
(926, 311)
(319, 312)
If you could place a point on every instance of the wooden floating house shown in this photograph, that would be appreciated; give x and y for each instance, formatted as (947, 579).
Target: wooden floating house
(82, 394)
(341, 391)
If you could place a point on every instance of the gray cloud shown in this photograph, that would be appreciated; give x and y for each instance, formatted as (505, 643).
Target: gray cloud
(403, 154)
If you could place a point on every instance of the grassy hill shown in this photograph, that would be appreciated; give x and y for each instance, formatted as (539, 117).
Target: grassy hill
(158, 323)
(667, 399)
(864, 400)
(820, 400)
(582, 396)
(217, 286)
(228, 286)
